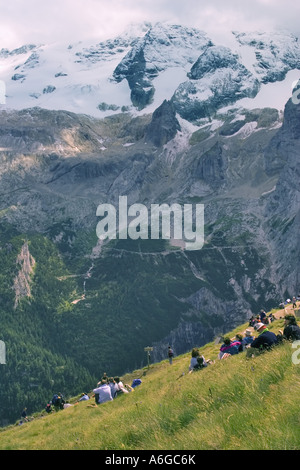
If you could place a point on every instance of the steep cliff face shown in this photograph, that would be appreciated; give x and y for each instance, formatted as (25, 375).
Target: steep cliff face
(283, 207)
(164, 125)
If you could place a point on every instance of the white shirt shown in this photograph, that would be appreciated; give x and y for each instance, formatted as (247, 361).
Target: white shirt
(104, 392)
(84, 397)
(122, 388)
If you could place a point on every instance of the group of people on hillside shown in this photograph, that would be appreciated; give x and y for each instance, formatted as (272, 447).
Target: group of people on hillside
(290, 301)
(110, 387)
(253, 344)
(265, 339)
(59, 403)
(262, 317)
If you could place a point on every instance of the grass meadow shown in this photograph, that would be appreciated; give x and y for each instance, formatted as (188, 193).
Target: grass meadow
(235, 404)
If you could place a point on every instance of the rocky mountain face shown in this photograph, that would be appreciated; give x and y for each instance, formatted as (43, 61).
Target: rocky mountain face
(283, 205)
(217, 79)
(199, 145)
(160, 49)
(275, 53)
(58, 167)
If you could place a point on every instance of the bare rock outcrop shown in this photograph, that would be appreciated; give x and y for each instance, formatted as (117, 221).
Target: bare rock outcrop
(23, 279)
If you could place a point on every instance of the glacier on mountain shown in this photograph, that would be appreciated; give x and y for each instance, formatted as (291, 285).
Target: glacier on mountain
(137, 71)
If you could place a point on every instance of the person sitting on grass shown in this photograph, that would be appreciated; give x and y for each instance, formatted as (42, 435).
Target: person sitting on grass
(113, 386)
(291, 330)
(197, 361)
(265, 320)
(248, 339)
(103, 392)
(229, 347)
(201, 363)
(48, 408)
(195, 354)
(67, 405)
(120, 386)
(136, 383)
(239, 339)
(271, 318)
(84, 396)
(265, 340)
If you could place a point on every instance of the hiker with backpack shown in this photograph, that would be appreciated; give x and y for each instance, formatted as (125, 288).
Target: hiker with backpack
(58, 401)
(170, 354)
(262, 315)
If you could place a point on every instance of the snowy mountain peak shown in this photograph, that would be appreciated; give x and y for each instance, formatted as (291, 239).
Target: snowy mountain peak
(136, 71)
(275, 54)
(162, 48)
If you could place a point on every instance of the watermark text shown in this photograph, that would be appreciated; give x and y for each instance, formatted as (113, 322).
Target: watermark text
(161, 221)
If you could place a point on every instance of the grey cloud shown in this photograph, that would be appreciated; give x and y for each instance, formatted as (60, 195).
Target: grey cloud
(39, 22)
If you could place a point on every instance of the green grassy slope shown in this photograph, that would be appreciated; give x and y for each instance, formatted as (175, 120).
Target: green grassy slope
(237, 403)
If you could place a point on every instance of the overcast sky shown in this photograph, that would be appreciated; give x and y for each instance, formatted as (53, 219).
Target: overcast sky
(41, 21)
